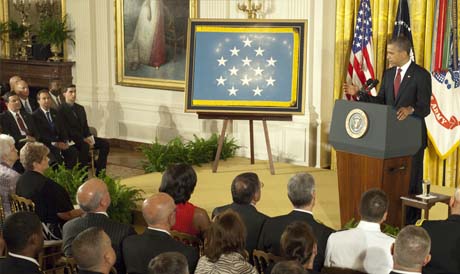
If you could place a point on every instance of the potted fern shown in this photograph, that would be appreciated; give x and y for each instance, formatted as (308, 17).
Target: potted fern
(54, 31)
(16, 34)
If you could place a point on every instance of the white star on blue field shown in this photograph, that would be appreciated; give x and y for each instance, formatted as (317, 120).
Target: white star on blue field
(243, 66)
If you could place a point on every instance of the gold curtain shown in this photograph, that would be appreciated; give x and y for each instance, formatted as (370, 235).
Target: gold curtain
(383, 17)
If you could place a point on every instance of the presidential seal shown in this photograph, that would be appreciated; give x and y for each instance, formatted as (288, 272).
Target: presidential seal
(356, 123)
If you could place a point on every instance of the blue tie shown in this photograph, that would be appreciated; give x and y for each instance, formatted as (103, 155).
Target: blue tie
(50, 121)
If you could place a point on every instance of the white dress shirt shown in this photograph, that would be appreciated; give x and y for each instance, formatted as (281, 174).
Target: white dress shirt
(364, 248)
(403, 69)
(24, 258)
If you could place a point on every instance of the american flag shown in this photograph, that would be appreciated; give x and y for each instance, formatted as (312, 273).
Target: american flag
(243, 68)
(361, 65)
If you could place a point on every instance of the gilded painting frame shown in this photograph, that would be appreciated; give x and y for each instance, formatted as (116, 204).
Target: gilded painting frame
(132, 71)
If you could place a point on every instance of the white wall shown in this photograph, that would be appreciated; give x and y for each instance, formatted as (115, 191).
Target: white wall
(140, 114)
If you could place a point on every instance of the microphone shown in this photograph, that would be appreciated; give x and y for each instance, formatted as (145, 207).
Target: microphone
(370, 84)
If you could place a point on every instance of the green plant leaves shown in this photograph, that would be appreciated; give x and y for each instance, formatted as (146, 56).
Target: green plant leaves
(195, 152)
(53, 30)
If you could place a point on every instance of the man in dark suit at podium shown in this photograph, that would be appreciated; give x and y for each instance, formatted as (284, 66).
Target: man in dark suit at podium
(407, 87)
(411, 250)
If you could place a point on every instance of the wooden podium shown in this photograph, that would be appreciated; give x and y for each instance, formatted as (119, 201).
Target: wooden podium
(380, 158)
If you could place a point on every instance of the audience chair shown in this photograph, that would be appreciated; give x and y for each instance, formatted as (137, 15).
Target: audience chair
(93, 152)
(19, 203)
(189, 240)
(262, 260)
(337, 270)
(50, 257)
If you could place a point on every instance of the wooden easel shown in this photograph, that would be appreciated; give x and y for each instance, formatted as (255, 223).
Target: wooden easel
(250, 118)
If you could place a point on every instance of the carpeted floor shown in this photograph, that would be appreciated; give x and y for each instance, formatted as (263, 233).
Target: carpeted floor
(213, 189)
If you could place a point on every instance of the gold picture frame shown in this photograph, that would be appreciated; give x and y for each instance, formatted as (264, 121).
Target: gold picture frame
(146, 60)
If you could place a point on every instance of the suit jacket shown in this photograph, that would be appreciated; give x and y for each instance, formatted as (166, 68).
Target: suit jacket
(54, 105)
(445, 245)
(252, 219)
(10, 127)
(75, 120)
(414, 91)
(13, 265)
(270, 236)
(48, 134)
(32, 102)
(116, 231)
(138, 250)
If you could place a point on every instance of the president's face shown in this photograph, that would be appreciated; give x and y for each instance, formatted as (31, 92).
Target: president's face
(395, 56)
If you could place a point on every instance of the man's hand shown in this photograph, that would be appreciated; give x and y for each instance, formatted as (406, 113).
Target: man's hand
(62, 145)
(89, 141)
(350, 89)
(403, 112)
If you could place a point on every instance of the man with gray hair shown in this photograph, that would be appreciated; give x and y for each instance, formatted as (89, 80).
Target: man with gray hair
(93, 197)
(169, 263)
(411, 250)
(364, 248)
(445, 238)
(301, 193)
(93, 252)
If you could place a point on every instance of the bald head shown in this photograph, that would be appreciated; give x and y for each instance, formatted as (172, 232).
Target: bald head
(21, 88)
(13, 80)
(93, 196)
(159, 211)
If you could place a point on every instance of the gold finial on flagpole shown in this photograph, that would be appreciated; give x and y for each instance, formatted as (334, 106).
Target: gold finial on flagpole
(250, 8)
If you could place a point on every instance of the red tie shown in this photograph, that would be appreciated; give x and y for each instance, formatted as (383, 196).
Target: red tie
(21, 123)
(397, 82)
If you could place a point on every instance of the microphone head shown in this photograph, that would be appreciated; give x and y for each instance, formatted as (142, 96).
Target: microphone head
(369, 81)
(374, 83)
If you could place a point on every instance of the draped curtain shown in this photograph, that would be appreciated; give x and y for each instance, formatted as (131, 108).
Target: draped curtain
(383, 17)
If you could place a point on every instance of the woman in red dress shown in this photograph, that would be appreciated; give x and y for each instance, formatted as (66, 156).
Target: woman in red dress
(179, 181)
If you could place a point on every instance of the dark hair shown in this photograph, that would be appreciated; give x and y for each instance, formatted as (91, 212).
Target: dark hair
(297, 242)
(225, 235)
(288, 267)
(18, 228)
(374, 204)
(179, 181)
(40, 92)
(69, 86)
(402, 42)
(88, 247)
(8, 95)
(168, 263)
(244, 187)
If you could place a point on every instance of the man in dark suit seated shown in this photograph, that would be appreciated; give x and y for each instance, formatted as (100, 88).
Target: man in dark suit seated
(94, 199)
(246, 192)
(74, 116)
(411, 250)
(28, 103)
(93, 252)
(159, 214)
(301, 193)
(55, 89)
(18, 124)
(445, 240)
(169, 263)
(53, 133)
(23, 235)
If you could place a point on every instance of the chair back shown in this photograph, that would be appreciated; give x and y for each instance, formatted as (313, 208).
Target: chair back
(188, 239)
(19, 203)
(262, 260)
(70, 265)
(338, 270)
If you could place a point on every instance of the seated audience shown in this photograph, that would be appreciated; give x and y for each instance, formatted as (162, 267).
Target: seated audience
(298, 243)
(301, 193)
(411, 250)
(179, 181)
(55, 90)
(138, 250)
(224, 247)
(246, 192)
(93, 252)
(28, 103)
(74, 116)
(94, 199)
(53, 133)
(364, 248)
(8, 176)
(23, 235)
(288, 267)
(169, 263)
(52, 202)
(445, 240)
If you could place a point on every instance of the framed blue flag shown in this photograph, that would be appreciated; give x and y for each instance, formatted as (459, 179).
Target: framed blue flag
(245, 66)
